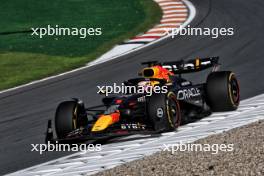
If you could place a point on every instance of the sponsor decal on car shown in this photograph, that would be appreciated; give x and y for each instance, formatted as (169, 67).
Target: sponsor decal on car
(141, 99)
(160, 112)
(186, 83)
(196, 64)
(133, 126)
(188, 93)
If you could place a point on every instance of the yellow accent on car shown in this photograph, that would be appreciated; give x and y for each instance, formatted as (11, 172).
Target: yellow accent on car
(102, 123)
(168, 110)
(154, 83)
(154, 70)
(197, 63)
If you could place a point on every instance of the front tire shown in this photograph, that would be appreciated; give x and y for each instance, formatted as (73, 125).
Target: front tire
(222, 91)
(66, 118)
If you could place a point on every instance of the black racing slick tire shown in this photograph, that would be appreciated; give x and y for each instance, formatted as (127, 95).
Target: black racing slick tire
(222, 91)
(164, 112)
(66, 118)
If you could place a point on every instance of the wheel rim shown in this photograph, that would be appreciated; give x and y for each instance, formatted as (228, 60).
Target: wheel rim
(74, 118)
(173, 111)
(234, 86)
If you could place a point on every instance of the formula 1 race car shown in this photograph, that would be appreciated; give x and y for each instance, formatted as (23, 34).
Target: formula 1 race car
(136, 113)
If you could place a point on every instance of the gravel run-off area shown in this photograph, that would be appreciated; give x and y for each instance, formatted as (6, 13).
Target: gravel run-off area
(246, 158)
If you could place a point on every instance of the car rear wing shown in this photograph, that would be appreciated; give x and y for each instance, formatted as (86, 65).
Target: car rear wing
(194, 65)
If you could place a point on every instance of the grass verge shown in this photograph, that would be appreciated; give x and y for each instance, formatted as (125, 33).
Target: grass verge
(24, 58)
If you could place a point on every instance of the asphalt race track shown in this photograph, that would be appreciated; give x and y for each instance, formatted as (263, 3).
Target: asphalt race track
(24, 112)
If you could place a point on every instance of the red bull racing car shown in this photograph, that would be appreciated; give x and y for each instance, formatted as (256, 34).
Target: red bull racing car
(136, 113)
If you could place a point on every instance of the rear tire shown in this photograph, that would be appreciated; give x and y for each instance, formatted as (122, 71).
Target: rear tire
(66, 118)
(222, 91)
(164, 112)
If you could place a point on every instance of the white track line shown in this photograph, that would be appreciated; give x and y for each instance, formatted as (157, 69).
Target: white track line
(154, 35)
(175, 15)
(142, 40)
(170, 3)
(169, 24)
(173, 7)
(115, 154)
(171, 11)
(172, 19)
